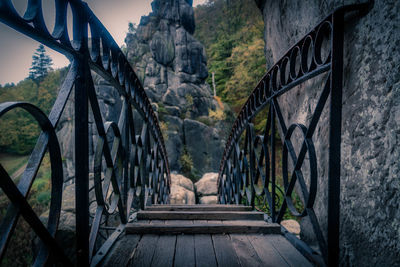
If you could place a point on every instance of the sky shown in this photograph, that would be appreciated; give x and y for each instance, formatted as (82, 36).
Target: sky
(16, 49)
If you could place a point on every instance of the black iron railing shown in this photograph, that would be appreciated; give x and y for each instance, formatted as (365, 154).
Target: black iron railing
(136, 166)
(248, 170)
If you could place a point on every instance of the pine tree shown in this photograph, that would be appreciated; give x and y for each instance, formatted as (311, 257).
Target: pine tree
(41, 64)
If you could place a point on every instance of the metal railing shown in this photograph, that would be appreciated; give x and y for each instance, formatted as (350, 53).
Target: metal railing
(248, 170)
(136, 166)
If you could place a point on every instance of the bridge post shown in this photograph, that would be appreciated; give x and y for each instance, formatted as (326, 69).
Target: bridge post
(335, 139)
(82, 143)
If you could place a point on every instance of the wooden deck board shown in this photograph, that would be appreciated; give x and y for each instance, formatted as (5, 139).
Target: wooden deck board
(288, 252)
(165, 250)
(204, 251)
(203, 228)
(200, 207)
(121, 251)
(245, 251)
(199, 215)
(179, 222)
(224, 251)
(203, 242)
(184, 251)
(266, 252)
(144, 252)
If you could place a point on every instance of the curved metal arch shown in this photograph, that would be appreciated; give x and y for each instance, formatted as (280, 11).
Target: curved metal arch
(320, 51)
(19, 201)
(101, 54)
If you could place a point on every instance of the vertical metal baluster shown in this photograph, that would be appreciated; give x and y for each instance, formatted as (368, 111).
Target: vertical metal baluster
(82, 143)
(335, 139)
(273, 208)
(126, 150)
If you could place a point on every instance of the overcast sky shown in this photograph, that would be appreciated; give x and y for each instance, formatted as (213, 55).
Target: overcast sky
(16, 50)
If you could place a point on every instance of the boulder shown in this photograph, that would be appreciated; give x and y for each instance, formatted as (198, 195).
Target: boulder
(180, 180)
(207, 185)
(208, 200)
(180, 195)
(182, 190)
(292, 226)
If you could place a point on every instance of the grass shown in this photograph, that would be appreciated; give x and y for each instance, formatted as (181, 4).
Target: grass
(12, 163)
(19, 249)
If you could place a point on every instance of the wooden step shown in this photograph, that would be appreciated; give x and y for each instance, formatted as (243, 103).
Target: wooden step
(199, 215)
(202, 227)
(200, 207)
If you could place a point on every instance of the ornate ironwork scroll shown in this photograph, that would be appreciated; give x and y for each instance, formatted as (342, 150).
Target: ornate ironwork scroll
(248, 170)
(127, 166)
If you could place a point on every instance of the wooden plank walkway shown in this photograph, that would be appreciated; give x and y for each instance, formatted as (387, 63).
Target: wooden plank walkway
(204, 242)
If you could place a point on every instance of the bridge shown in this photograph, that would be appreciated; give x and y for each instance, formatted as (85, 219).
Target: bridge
(136, 167)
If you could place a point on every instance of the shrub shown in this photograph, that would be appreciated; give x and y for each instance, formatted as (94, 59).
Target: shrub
(186, 162)
(218, 114)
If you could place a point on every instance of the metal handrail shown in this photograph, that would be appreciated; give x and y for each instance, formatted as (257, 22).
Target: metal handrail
(248, 165)
(136, 165)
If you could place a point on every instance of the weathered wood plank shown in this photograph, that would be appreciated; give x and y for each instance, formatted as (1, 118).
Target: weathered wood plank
(288, 252)
(204, 251)
(265, 251)
(200, 215)
(179, 222)
(156, 222)
(184, 251)
(224, 251)
(144, 252)
(245, 251)
(214, 221)
(121, 251)
(165, 250)
(203, 228)
(200, 207)
(244, 222)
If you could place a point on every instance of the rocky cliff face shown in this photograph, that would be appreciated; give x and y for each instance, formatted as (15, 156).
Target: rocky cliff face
(370, 170)
(110, 106)
(172, 66)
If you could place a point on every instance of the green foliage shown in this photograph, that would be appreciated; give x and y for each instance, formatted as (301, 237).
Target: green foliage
(19, 250)
(189, 100)
(186, 162)
(206, 120)
(187, 168)
(217, 114)
(161, 111)
(12, 163)
(44, 198)
(164, 129)
(41, 64)
(232, 32)
(18, 130)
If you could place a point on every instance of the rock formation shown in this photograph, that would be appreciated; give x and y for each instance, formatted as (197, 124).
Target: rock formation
(370, 170)
(110, 106)
(171, 64)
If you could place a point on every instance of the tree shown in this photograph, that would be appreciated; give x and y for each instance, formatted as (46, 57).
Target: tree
(41, 64)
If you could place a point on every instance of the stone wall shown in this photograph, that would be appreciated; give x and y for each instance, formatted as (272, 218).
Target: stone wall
(370, 168)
